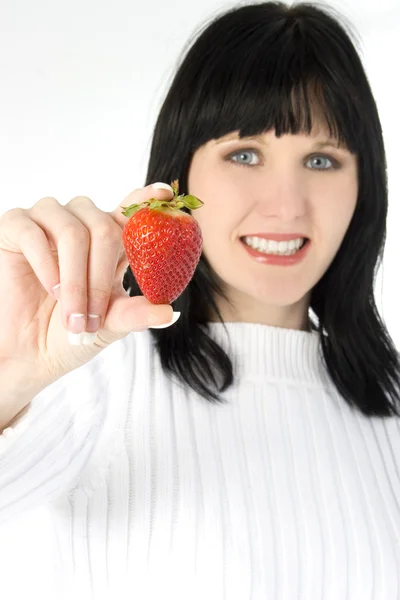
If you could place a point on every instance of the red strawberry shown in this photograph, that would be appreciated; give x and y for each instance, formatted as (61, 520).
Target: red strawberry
(163, 245)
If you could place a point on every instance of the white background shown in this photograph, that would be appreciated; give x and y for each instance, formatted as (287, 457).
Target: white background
(82, 82)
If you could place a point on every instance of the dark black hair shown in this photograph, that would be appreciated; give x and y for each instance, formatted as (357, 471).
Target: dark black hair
(254, 68)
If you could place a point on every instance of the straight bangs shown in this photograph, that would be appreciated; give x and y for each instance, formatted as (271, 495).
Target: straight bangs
(292, 78)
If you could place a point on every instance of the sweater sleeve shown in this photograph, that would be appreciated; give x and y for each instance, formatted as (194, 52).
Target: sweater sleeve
(45, 450)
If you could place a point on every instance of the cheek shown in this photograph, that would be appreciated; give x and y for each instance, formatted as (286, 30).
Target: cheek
(220, 219)
(336, 194)
(346, 200)
(221, 212)
(337, 210)
(212, 218)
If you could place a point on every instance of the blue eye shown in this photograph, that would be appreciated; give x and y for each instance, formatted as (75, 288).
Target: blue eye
(241, 154)
(333, 163)
(250, 158)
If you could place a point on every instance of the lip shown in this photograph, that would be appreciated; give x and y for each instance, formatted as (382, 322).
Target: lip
(278, 237)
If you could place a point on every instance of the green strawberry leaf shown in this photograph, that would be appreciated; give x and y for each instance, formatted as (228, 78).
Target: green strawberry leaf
(176, 203)
(192, 202)
(156, 203)
(130, 210)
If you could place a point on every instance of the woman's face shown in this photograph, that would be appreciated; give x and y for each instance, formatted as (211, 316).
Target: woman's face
(293, 184)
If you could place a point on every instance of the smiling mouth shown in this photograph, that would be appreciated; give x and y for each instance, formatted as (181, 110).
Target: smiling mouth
(274, 248)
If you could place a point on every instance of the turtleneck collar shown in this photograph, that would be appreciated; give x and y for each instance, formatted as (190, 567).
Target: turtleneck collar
(274, 352)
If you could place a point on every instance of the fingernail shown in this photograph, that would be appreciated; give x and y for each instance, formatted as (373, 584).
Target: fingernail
(162, 186)
(175, 317)
(76, 323)
(75, 339)
(79, 339)
(93, 323)
(88, 338)
(57, 292)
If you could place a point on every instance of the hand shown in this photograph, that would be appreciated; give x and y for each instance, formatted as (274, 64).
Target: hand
(79, 247)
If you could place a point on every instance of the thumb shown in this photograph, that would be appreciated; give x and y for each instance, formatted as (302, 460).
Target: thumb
(126, 314)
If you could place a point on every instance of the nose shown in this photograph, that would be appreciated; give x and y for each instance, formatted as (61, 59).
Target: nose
(282, 194)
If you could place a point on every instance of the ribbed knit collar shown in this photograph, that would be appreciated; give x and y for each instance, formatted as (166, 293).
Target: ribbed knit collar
(273, 352)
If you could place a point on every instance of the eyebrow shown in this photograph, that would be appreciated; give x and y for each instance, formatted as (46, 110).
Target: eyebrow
(327, 143)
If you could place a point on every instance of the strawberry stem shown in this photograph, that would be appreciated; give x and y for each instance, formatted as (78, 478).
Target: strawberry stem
(175, 187)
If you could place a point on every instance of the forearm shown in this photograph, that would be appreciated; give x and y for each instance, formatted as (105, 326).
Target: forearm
(40, 459)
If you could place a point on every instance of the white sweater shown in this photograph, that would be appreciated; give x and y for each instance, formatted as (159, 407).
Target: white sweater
(118, 484)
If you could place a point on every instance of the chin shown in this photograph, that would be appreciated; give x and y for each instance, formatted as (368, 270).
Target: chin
(279, 293)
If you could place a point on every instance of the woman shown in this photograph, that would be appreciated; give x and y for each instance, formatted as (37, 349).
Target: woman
(251, 448)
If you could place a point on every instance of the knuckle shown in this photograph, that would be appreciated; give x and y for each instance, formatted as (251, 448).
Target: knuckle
(100, 295)
(14, 212)
(30, 237)
(75, 290)
(45, 201)
(76, 233)
(26, 232)
(47, 261)
(78, 200)
(7, 218)
(108, 233)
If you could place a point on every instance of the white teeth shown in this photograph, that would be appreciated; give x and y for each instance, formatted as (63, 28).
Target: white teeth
(274, 247)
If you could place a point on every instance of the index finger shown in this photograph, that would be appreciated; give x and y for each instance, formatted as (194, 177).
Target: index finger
(160, 191)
